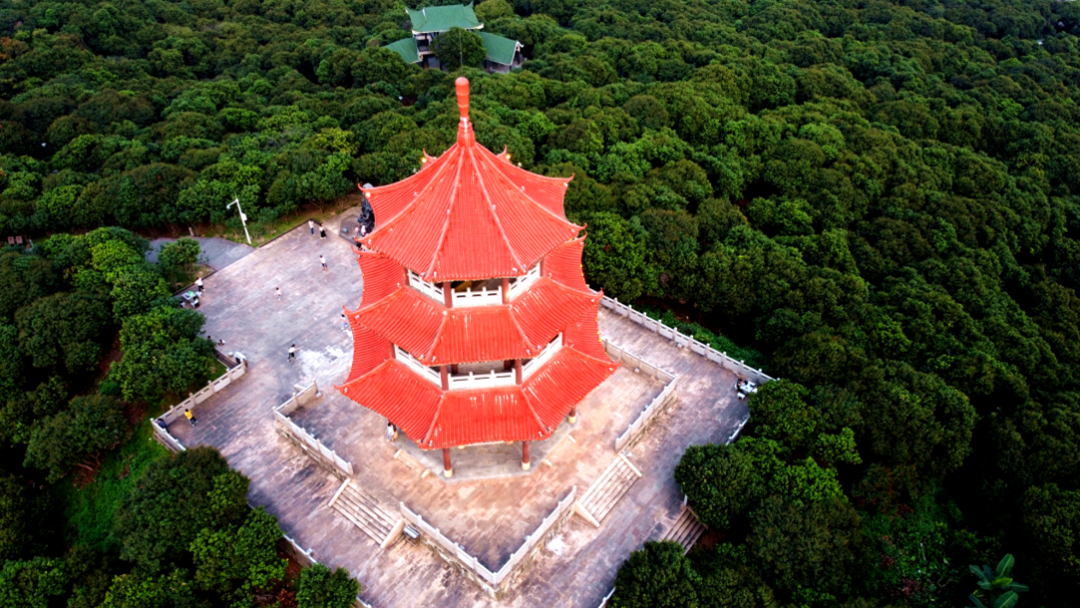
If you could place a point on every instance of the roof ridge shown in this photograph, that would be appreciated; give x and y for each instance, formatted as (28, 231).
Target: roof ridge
(446, 223)
(589, 294)
(411, 206)
(532, 410)
(434, 419)
(498, 223)
(531, 199)
(383, 302)
(521, 330)
(437, 338)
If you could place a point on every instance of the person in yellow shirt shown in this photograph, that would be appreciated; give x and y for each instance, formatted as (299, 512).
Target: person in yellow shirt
(191, 417)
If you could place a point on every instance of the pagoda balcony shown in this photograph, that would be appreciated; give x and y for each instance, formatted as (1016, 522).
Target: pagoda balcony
(482, 374)
(519, 285)
(468, 298)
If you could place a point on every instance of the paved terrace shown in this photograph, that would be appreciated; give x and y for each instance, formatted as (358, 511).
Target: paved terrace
(490, 517)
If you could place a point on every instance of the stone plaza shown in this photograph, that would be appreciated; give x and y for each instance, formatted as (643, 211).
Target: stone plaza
(490, 509)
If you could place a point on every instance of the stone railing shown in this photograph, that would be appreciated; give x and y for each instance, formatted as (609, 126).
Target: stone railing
(480, 297)
(541, 358)
(481, 380)
(162, 422)
(301, 438)
(520, 285)
(683, 340)
(659, 403)
(415, 365)
(490, 581)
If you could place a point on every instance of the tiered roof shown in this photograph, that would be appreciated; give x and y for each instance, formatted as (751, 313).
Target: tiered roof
(470, 214)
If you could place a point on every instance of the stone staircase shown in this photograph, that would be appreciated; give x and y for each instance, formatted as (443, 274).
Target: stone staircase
(383, 525)
(605, 492)
(686, 530)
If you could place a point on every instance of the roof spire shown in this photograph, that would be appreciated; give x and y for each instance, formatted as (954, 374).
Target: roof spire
(465, 133)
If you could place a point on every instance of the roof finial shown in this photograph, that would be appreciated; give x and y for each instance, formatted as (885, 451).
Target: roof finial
(465, 133)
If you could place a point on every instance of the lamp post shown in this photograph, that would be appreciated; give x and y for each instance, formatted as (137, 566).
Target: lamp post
(243, 218)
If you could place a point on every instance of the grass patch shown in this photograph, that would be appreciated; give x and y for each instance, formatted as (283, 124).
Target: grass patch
(91, 510)
(749, 356)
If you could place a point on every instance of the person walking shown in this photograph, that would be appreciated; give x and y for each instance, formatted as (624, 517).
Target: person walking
(277, 290)
(322, 261)
(311, 226)
(322, 232)
(190, 417)
(221, 342)
(292, 353)
(198, 283)
(344, 323)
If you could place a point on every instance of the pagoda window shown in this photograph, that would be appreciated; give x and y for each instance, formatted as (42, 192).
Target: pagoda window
(411, 362)
(540, 359)
(430, 290)
(518, 285)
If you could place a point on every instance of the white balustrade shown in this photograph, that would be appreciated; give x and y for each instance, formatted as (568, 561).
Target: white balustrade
(412, 363)
(480, 297)
(520, 285)
(430, 290)
(539, 360)
(488, 380)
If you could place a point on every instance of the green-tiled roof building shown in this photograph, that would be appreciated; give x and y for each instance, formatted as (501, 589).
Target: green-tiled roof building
(427, 23)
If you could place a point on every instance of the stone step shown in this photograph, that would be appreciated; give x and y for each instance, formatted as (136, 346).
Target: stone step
(364, 511)
(605, 492)
(686, 530)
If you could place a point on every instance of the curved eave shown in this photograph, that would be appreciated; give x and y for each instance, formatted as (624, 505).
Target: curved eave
(438, 419)
(468, 215)
(436, 335)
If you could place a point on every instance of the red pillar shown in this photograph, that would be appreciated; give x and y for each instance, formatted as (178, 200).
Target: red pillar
(517, 371)
(448, 294)
(444, 376)
(525, 464)
(573, 415)
(448, 471)
(506, 290)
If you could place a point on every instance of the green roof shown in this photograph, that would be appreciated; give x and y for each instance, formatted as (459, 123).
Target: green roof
(499, 49)
(442, 18)
(406, 47)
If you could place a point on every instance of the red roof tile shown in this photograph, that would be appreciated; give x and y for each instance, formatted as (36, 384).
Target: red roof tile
(470, 215)
(382, 276)
(563, 264)
(436, 419)
(584, 334)
(437, 335)
(563, 382)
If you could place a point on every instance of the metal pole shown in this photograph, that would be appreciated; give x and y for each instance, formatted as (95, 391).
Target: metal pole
(243, 218)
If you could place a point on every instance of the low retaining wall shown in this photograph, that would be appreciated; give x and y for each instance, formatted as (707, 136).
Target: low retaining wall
(162, 422)
(660, 403)
(301, 438)
(491, 582)
(680, 339)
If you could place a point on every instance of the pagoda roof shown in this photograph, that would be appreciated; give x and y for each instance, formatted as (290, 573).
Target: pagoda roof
(437, 335)
(469, 214)
(442, 18)
(438, 419)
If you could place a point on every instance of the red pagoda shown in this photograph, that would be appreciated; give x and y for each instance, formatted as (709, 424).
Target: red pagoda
(476, 324)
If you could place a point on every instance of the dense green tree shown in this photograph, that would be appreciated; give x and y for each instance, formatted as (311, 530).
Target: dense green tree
(30, 583)
(321, 587)
(176, 498)
(88, 427)
(162, 352)
(458, 48)
(26, 514)
(239, 561)
(64, 330)
(659, 575)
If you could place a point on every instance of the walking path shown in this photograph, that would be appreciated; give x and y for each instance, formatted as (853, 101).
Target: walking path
(578, 566)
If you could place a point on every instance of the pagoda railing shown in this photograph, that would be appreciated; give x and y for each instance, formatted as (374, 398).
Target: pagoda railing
(412, 363)
(520, 285)
(488, 380)
(480, 297)
(430, 290)
(530, 367)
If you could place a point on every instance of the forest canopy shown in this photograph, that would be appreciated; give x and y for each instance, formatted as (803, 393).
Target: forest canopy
(882, 197)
